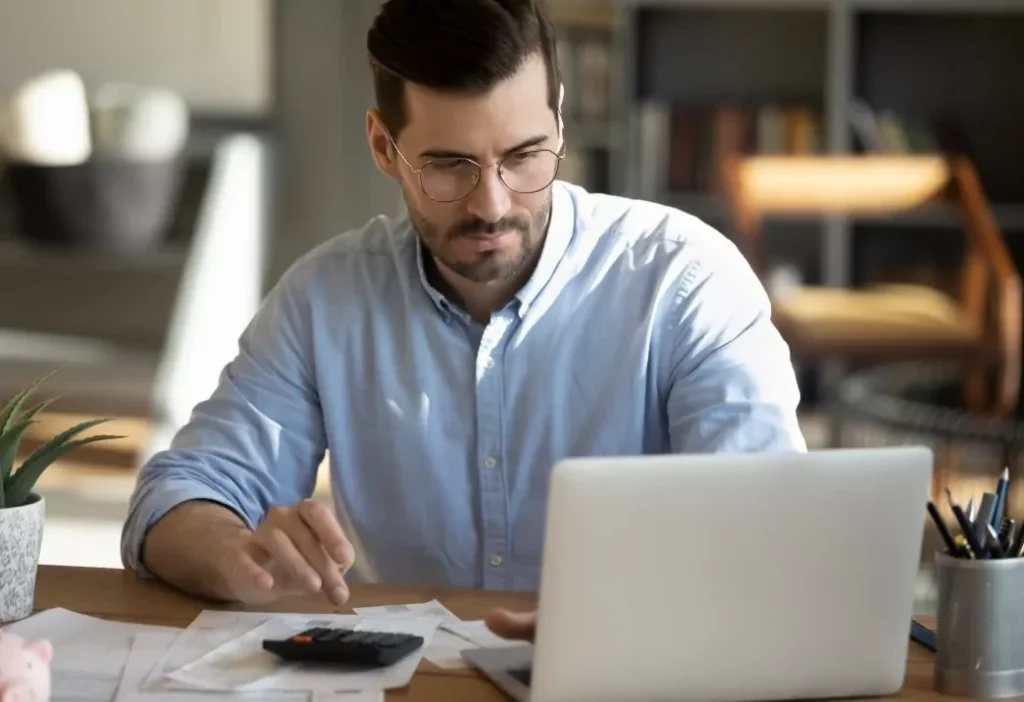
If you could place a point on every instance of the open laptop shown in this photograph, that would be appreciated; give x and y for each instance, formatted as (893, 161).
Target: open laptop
(724, 577)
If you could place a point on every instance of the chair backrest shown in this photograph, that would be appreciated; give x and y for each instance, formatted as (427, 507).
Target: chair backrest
(796, 186)
(881, 185)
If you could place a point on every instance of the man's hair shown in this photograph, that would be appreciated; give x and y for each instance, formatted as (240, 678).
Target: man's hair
(463, 46)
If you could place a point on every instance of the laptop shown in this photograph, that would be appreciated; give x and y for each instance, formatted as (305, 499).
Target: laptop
(724, 577)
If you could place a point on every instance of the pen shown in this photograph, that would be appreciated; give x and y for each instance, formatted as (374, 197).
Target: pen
(993, 542)
(965, 526)
(984, 518)
(963, 548)
(943, 530)
(1007, 532)
(1018, 543)
(1001, 488)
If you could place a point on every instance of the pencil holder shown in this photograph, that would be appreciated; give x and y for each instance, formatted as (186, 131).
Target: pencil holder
(980, 651)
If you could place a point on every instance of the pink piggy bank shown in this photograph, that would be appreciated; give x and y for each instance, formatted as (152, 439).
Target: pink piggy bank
(24, 669)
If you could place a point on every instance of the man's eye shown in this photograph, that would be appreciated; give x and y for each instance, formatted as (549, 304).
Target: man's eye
(448, 165)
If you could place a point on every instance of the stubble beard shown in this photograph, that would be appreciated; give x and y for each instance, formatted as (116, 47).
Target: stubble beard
(489, 266)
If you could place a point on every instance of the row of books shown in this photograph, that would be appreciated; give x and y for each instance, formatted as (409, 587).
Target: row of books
(886, 132)
(682, 148)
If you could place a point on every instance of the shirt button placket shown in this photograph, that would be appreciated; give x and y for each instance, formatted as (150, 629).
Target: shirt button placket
(490, 439)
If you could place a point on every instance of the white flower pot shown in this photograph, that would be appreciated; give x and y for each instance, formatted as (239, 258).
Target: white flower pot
(21, 540)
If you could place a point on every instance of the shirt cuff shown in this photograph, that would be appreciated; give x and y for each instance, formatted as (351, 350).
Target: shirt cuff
(151, 507)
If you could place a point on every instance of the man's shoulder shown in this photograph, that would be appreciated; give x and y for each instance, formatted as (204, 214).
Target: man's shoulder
(374, 251)
(622, 226)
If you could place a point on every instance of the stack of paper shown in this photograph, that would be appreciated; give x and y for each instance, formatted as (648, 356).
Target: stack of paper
(223, 652)
(220, 654)
(89, 653)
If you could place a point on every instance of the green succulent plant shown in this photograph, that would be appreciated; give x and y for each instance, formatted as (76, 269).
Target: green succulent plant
(16, 485)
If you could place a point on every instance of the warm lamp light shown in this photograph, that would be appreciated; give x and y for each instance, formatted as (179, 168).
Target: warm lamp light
(841, 183)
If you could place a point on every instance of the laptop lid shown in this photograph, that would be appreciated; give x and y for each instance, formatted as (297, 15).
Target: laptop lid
(730, 576)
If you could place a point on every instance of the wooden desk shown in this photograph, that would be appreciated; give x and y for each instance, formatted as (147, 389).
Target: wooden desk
(122, 595)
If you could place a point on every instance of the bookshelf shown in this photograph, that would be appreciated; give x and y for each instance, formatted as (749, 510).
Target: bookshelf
(692, 79)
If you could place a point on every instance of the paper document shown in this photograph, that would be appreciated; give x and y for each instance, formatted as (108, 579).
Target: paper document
(236, 660)
(238, 664)
(476, 632)
(149, 649)
(89, 653)
(423, 609)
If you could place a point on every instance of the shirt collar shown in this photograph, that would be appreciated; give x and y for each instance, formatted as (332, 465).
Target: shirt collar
(560, 229)
(439, 300)
(556, 241)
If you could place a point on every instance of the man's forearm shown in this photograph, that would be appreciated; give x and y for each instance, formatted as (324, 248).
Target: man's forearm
(188, 545)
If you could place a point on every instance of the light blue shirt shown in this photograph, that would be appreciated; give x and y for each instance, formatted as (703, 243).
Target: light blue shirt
(642, 330)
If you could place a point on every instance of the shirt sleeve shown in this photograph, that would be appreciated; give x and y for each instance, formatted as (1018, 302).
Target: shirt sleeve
(256, 441)
(732, 385)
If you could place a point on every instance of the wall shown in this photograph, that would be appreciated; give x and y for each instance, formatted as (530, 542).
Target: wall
(327, 179)
(217, 53)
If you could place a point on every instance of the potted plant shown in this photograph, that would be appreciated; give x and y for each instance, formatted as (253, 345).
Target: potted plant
(21, 509)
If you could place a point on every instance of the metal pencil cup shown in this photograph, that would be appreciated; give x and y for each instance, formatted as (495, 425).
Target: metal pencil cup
(980, 652)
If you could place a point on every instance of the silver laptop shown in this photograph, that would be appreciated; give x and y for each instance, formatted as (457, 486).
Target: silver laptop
(724, 577)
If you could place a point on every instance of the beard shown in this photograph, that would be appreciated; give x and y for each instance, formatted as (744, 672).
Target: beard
(487, 266)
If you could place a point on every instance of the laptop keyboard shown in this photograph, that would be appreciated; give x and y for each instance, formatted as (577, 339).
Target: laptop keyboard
(521, 674)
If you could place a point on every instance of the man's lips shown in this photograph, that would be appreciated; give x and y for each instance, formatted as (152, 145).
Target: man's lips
(481, 241)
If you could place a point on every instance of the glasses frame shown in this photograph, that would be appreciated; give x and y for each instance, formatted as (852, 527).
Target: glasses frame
(418, 172)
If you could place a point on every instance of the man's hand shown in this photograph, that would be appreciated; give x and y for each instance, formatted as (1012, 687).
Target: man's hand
(296, 550)
(512, 625)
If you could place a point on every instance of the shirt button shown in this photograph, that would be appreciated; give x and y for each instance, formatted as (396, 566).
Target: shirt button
(496, 560)
(489, 363)
(490, 462)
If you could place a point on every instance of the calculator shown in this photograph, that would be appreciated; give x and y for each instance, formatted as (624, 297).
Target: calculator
(373, 649)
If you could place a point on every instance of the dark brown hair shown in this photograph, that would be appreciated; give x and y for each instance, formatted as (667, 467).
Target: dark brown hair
(465, 46)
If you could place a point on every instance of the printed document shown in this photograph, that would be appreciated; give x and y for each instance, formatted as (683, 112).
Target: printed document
(89, 653)
(148, 649)
(222, 651)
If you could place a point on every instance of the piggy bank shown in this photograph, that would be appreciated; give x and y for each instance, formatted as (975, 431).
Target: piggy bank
(24, 669)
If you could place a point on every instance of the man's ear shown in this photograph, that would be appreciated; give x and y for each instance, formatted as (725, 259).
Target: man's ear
(561, 97)
(380, 145)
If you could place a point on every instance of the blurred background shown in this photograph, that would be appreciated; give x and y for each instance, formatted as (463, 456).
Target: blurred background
(166, 161)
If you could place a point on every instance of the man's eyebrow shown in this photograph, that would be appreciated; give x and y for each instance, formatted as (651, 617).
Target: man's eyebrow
(446, 153)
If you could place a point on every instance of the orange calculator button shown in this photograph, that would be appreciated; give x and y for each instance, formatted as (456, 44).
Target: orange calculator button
(302, 639)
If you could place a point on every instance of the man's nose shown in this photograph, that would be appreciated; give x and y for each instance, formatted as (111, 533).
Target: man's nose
(490, 199)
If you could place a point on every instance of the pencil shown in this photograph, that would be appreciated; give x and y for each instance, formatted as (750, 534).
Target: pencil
(1001, 487)
(943, 529)
(965, 526)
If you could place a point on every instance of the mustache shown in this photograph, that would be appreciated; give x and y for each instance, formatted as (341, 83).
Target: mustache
(478, 226)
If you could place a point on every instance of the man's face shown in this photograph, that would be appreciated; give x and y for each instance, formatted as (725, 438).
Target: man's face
(493, 232)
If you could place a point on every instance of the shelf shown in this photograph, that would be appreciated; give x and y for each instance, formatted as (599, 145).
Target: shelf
(759, 55)
(965, 89)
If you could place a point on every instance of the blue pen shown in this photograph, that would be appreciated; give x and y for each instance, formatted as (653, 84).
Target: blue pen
(1001, 489)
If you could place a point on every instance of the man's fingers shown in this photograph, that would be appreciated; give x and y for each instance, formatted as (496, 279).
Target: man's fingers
(512, 625)
(283, 550)
(322, 522)
(316, 556)
(247, 579)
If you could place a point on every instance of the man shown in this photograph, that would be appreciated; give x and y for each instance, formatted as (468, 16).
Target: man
(447, 360)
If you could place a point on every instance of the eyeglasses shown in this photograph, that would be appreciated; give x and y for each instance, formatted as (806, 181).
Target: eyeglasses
(451, 179)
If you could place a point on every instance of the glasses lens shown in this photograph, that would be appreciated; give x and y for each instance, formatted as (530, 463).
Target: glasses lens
(448, 180)
(529, 171)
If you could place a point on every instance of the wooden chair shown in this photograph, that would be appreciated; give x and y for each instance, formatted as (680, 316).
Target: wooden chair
(885, 323)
